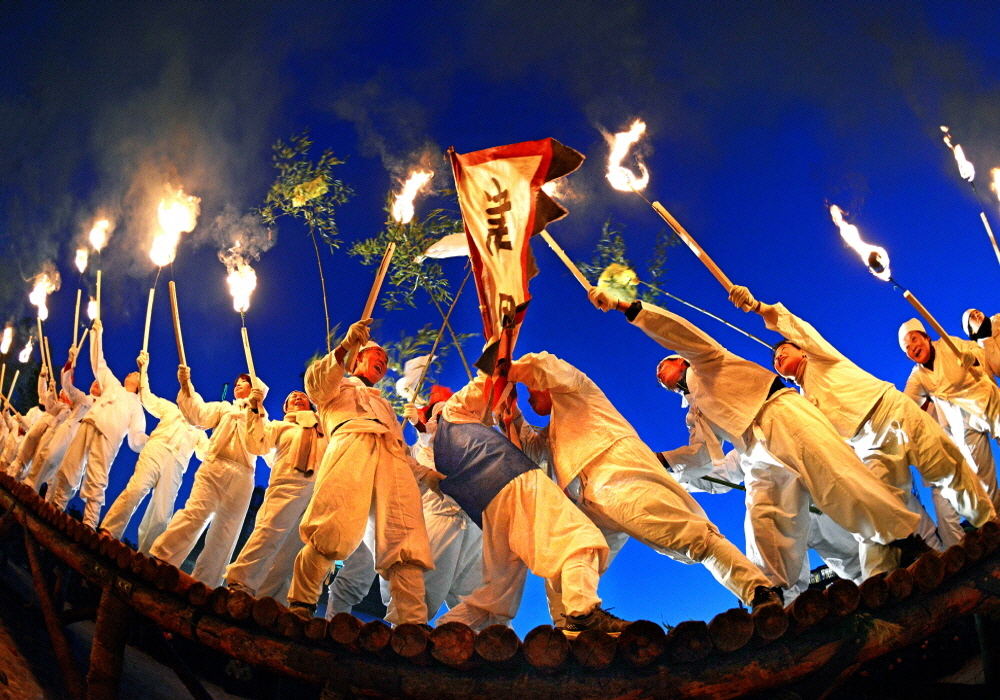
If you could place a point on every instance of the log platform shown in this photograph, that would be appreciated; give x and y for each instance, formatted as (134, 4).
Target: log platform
(824, 638)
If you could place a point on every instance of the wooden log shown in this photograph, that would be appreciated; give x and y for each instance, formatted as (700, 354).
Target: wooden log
(842, 597)
(71, 675)
(808, 608)
(731, 630)
(138, 563)
(453, 644)
(546, 648)
(344, 629)
(374, 637)
(412, 642)
(990, 535)
(218, 601)
(689, 641)
(954, 560)
(973, 546)
(593, 649)
(166, 577)
(148, 572)
(874, 592)
(642, 643)
(114, 621)
(900, 583)
(266, 612)
(315, 629)
(199, 594)
(239, 606)
(498, 644)
(125, 557)
(928, 571)
(770, 622)
(290, 625)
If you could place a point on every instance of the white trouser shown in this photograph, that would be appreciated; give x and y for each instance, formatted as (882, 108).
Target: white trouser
(972, 435)
(553, 586)
(354, 579)
(949, 525)
(279, 578)
(51, 455)
(88, 459)
(40, 432)
(157, 470)
(457, 546)
(628, 490)
(277, 520)
(897, 434)
(531, 524)
(406, 584)
(836, 547)
(220, 497)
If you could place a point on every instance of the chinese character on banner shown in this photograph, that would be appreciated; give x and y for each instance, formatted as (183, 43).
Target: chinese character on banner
(503, 205)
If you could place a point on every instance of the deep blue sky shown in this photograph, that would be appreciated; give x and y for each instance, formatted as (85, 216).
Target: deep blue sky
(759, 114)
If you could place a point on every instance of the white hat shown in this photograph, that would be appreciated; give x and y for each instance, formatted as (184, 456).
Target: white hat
(369, 344)
(966, 326)
(912, 325)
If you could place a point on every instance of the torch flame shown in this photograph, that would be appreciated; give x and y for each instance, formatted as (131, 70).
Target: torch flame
(876, 258)
(8, 336)
(92, 308)
(44, 285)
(26, 353)
(552, 188)
(622, 178)
(177, 214)
(995, 185)
(242, 279)
(99, 234)
(965, 168)
(81, 259)
(402, 208)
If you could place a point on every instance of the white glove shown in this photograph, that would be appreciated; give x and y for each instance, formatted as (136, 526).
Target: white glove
(743, 299)
(968, 359)
(142, 360)
(97, 325)
(357, 335)
(72, 355)
(411, 414)
(184, 375)
(601, 299)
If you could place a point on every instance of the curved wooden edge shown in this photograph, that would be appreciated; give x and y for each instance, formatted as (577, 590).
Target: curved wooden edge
(696, 659)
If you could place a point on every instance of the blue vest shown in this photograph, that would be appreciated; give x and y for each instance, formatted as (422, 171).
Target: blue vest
(478, 462)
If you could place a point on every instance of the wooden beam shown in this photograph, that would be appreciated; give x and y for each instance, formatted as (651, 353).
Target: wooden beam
(114, 622)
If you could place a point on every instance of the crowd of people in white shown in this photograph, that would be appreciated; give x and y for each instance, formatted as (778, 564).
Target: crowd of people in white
(460, 517)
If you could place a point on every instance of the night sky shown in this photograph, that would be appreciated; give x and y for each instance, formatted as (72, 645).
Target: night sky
(759, 116)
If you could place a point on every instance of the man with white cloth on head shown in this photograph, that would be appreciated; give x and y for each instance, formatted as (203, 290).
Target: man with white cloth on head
(790, 450)
(223, 484)
(600, 461)
(886, 429)
(115, 415)
(456, 541)
(527, 522)
(160, 467)
(299, 443)
(962, 390)
(985, 331)
(50, 455)
(365, 475)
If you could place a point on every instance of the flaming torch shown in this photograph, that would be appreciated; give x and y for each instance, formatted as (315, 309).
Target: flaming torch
(82, 257)
(46, 282)
(877, 261)
(8, 338)
(25, 354)
(622, 179)
(242, 280)
(968, 172)
(176, 214)
(98, 239)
